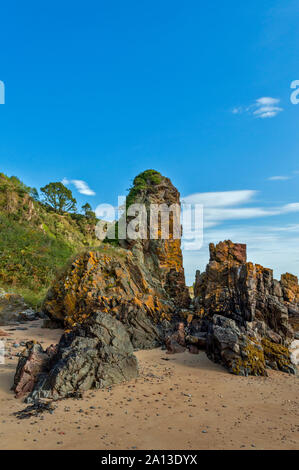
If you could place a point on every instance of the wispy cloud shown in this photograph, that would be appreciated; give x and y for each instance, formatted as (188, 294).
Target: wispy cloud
(265, 107)
(220, 198)
(284, 177)
(274, 246)
(238, 110)
(222, 206)
(81, 186)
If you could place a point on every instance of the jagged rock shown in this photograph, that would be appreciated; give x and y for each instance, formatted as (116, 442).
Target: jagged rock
(242, 351)
(28, 315)
(290, 292)
(278, 356)
(96, 354)
(11, 308)
(244, 312)
(230, 345)
(31, 363)
(141, 282)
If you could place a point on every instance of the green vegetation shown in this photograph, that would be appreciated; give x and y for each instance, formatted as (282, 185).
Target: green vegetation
(28, 257)
(88, 212)
(37, 240)
(12, 182)
(142, 183)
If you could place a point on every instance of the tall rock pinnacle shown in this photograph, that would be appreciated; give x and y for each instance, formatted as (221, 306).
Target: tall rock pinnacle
(140, 282)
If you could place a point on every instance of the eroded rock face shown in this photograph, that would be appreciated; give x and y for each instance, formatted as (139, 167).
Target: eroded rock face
(244, 313)
(141, 282)
(161, 258)
(290, 293)
(96, 354)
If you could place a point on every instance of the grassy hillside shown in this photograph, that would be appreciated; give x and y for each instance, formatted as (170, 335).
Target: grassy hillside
(35, 241)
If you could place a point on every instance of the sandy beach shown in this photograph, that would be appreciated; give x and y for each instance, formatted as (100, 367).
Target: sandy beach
(181, 401)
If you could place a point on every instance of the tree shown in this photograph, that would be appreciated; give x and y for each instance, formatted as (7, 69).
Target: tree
(89, 213)
(59, 197)
(34, 194)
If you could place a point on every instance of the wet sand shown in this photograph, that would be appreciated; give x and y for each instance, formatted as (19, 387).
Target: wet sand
(181, 401)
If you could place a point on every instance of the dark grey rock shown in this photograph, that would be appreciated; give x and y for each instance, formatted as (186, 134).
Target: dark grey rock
(97, 354)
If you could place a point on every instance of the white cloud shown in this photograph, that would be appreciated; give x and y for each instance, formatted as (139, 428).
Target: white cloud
(237, 110)
(293, 207)
(81, 186)
(265, 107)
(279, 178)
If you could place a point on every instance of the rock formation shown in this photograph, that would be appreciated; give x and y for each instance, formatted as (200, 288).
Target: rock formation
(31, 363)
(140, 282)
(96, 354)
(290, 293)
(244, 312)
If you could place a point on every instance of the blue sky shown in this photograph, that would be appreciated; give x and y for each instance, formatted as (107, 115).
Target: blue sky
(99, 91)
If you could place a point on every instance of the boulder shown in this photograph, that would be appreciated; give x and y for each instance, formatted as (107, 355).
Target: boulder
(11, 308)
(243, 351)
(28, 315)
(96, 354)
(231, 346)
(176, 343)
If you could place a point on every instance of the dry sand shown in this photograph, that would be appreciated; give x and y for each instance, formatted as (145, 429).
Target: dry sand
(183, 402)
